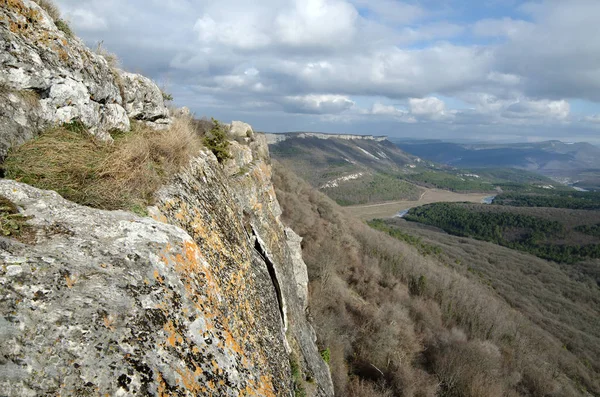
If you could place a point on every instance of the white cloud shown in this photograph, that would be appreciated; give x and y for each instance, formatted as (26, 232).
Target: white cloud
(86, 20)
(427, 106)
(379, 108)
(391, 10)
(320, 23)
(281, 56)
(239, 33)
(593, 119)
(317, 104)
(558, 56)
(434, 31)
(544, 109)
(506, 27)
(430, 108)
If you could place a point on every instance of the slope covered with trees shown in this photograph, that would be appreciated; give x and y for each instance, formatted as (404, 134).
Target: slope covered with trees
(547, 237)
(559, 199)
(397, 320)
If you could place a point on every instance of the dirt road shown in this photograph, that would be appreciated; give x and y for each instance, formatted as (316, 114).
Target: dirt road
(389, 209)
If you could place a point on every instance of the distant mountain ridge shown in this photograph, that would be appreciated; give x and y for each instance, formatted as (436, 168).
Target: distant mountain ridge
(280, 137)
(543, 157)
(351, 169)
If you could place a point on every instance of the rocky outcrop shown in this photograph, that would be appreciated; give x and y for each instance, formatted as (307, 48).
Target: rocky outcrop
(299, 267)
(143, 99)
(238, 129)
(276, 138)
(108, 303)
(49, 77)
(208, 298)
(212, 212)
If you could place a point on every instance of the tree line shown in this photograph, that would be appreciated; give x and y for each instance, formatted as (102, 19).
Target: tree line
(517, 231)
(571, 200)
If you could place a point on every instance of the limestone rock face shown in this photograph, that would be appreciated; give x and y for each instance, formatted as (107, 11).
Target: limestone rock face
(238, 129)
(56, 79)
(143, 99)
(299, 267)
(254, 193)
(110, 303)
(213, 212)
(207, 298)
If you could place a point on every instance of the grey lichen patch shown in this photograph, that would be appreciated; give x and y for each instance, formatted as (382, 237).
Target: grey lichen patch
(128, 305)
(246, 207)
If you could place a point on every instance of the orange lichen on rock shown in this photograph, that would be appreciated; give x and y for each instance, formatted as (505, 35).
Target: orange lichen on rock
(263, 388)
(27, 16)
(162, 387)
(173, 337)
(189, 380)
(202, 288)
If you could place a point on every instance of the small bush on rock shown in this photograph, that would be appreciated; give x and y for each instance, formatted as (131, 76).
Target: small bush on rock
(216, 141)
(326, 355)
(11, 222)
(64, 27)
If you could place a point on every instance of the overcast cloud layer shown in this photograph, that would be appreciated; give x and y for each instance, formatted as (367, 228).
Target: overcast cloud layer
(480, 69)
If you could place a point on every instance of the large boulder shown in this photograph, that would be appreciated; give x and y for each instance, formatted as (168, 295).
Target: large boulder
(238, 129)
(143, 99)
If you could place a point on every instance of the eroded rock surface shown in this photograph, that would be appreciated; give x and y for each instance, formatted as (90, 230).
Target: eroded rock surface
(110, 303)
(206, 299)
(214, 212)
(239, 129)
(143, 99)
(49, 77)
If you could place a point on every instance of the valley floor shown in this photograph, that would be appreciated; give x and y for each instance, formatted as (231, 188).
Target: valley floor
(391, 208)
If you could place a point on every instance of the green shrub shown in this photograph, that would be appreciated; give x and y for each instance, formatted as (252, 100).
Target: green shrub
(326, 355)
(216, 141)
(64, 27)
(299, 390)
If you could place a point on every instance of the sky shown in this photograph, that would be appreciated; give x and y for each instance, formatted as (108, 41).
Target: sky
(485, 70)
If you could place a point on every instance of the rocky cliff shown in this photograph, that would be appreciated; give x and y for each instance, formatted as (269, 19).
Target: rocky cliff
(48, 77)
(276, 138)
(206, 297)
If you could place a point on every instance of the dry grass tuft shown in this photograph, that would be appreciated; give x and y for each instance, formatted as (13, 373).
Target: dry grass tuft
(50, 8)
(124, 175)
(142, 160)
(111, 58)
(30, 97)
